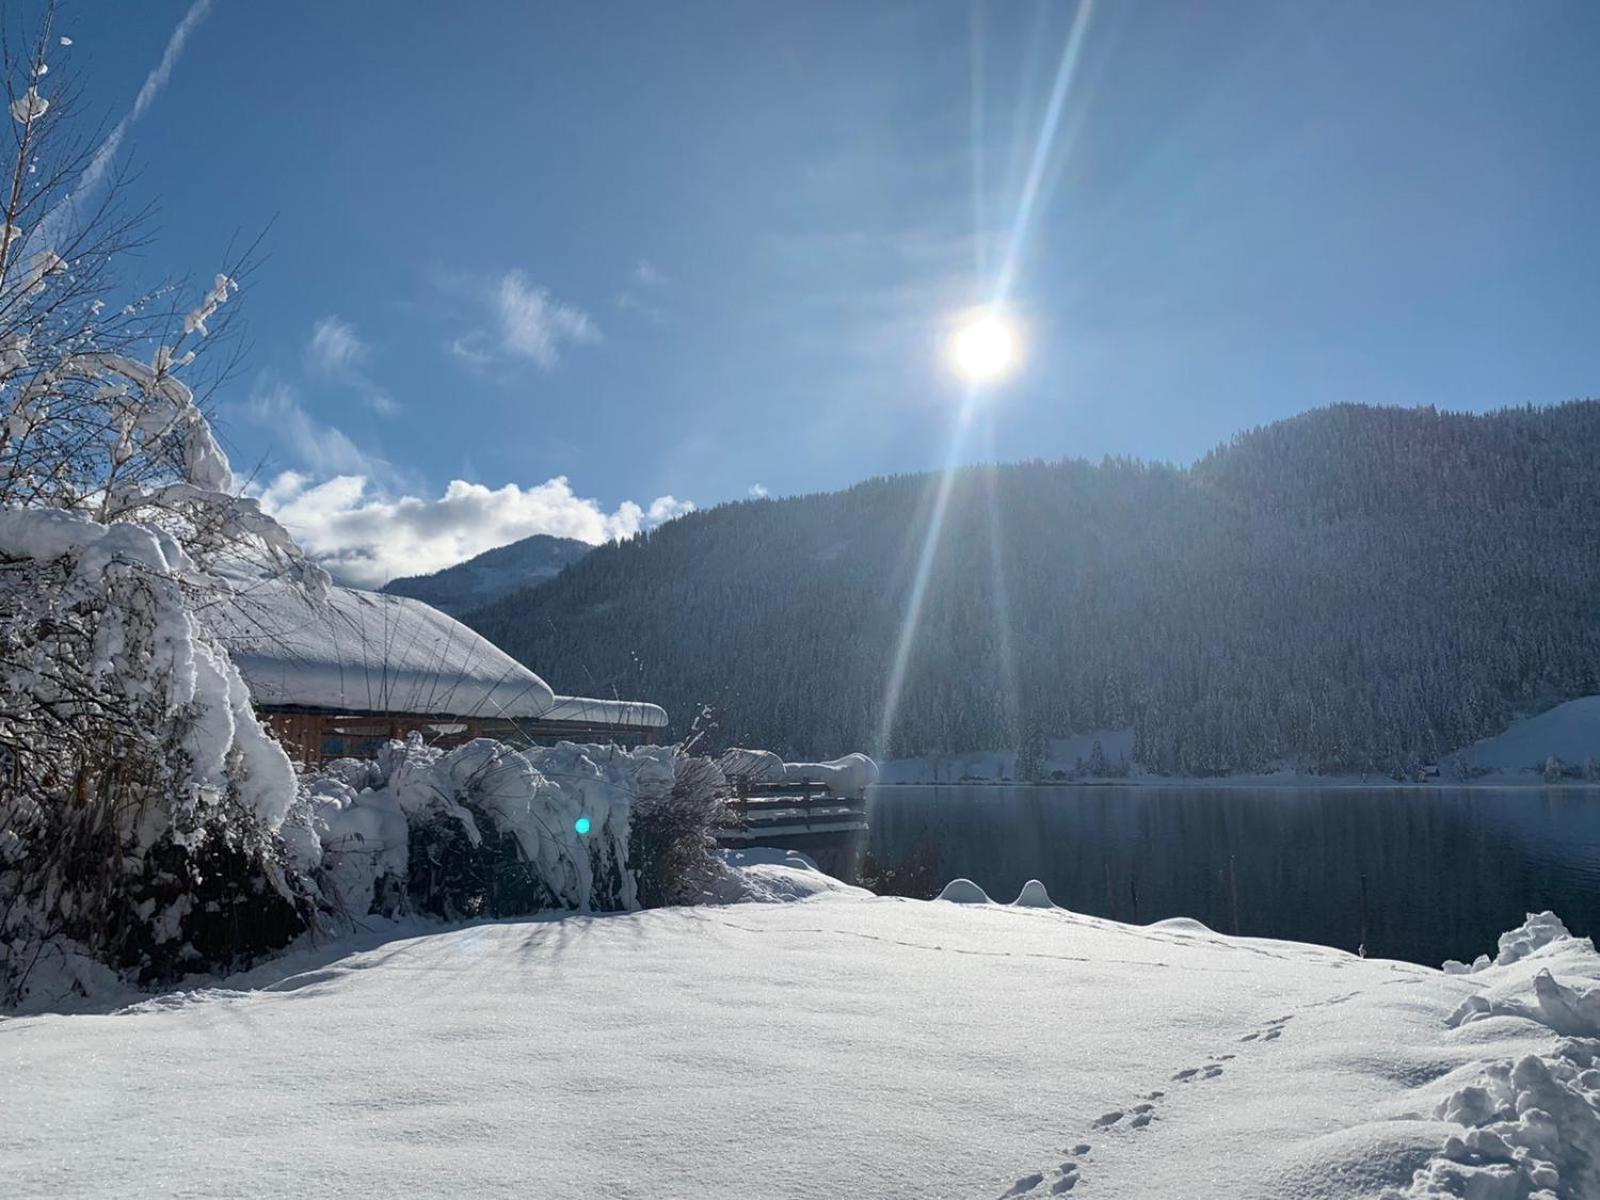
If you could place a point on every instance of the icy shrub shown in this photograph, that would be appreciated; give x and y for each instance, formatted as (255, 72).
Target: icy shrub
(140, 799)
(915, 874)
(673, 841)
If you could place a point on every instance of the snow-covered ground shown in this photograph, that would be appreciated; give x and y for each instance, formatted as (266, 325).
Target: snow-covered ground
(1068, 755)
(843, 1045)
(1569, 732)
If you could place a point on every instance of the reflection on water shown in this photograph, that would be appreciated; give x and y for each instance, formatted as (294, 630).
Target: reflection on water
(1446, 870)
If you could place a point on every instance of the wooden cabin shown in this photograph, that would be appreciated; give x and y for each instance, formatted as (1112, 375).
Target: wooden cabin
(341, 677)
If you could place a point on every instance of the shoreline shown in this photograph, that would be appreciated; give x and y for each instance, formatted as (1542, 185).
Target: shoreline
(1263, 783)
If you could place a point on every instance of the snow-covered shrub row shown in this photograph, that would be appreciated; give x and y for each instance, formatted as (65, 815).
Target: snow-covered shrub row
(141, 798)
(486, 829)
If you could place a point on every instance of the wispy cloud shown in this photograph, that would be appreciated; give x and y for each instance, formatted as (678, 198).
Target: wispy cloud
(65, 214)
(337, 352)
(644, 279)
(276, 406)
(335, 348)
(368, 539)
(524, 321)
(758, 491)
(535, 325)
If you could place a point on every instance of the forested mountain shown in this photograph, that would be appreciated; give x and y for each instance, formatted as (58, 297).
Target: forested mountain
(492, 574)
(1357, 588)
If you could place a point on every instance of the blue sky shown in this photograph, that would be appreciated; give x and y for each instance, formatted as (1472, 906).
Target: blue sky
(682, 250)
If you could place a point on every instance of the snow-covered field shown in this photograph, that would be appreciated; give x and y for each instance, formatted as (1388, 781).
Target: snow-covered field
(1570, 732)
(840, 1046)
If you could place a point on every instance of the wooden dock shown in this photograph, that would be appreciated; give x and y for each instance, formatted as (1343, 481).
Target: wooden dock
(831, 830)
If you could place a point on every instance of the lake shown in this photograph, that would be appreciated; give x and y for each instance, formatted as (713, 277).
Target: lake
(1446, 869)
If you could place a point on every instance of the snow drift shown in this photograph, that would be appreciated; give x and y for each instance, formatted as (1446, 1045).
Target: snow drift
(934, 1050)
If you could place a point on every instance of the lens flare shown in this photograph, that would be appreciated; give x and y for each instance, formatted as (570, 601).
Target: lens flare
(984, 350)
(582, 826)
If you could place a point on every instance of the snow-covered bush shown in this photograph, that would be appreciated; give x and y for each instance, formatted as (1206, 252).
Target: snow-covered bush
(141, 798)
(673, 845)
(486, 829)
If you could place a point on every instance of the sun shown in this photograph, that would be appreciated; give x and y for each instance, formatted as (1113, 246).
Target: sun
(984, 348)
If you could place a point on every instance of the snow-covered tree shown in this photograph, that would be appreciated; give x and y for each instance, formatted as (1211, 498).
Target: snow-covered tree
(140, 799)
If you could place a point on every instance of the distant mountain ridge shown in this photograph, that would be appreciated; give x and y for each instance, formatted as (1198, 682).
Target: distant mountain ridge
(1357, 589)
(494, 573)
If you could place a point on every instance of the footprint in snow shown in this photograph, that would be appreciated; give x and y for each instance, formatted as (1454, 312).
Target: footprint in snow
(1023, 1186)
(1066, 1178)
(1063, 1179)
(1272, 1032)
(1138, 1116)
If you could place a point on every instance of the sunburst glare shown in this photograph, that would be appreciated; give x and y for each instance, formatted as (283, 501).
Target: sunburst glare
(985, 349)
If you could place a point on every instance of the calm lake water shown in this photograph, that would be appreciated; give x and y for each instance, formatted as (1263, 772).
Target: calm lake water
(1447, 870)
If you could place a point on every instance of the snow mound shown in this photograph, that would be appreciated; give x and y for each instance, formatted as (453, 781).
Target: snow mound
(1536, 932)
(1532, 1132)
(964, 891)
(767, 875)
(1182, 925)
(1530, 1124)
(1033, 895)
(1561, 1009)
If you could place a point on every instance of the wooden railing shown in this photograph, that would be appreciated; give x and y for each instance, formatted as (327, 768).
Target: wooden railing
(767, 812)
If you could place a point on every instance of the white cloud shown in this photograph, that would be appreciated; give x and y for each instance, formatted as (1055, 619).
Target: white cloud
(667, 508)
(758, 491)
(647, 274)
(337, 352)
(276, 406)
(336, 348)
(369, 539)
(535, 325)
(524, 321)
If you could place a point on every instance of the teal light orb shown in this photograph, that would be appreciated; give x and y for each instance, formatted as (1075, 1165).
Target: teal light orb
(581, 825)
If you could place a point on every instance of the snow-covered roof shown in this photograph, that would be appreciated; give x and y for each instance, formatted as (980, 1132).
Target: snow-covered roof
(369, 652)
(607, 712)
(373, 652)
